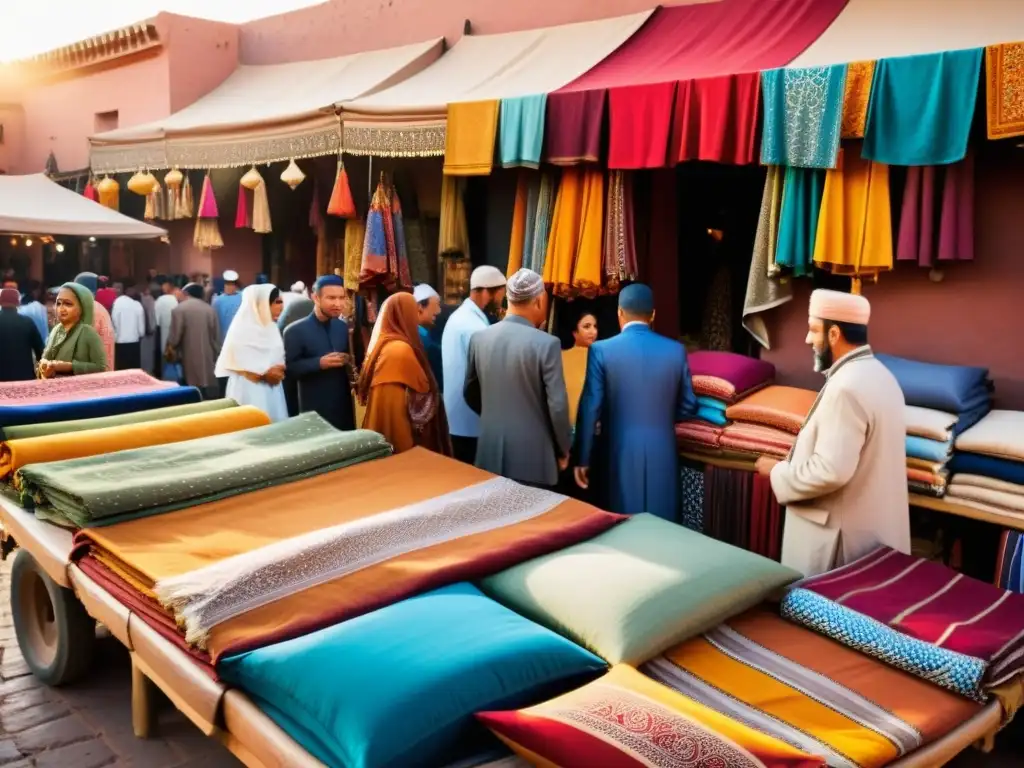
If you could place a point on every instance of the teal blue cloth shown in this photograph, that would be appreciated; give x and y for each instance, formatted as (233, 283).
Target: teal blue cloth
(803, 116)
(712, 416)
(522, 130)
(711, 402)
(398, 687)
(921, 108)
(929, 450)
(798, 222)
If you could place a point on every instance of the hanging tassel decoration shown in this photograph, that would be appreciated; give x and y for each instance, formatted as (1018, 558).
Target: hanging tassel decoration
(185, 204)
(261, 210)
(243, 219)
(293, 175)
(109, 193)
(207, 233)
(341, 203)
(150, 212)
(90, 191)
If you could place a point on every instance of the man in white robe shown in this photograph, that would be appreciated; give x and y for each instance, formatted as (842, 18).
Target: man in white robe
(844, 484)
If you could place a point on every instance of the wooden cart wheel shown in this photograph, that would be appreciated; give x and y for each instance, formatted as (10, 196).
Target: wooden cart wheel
(55, 634)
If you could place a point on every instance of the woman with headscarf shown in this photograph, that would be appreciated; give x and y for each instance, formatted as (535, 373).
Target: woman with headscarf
(73, 346)
(100, 316)
(396, 386)
(252, 358)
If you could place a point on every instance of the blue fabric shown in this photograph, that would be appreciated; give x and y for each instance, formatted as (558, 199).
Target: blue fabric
(803, 116)
(929, 450)
(798, 221)
(712, 415)
(172, 372)
(522, 130)
(951, 388)
(972, 416)
(712, 402)
(398, 687)
(226, 306)
(947, 669)
(987, 466)
(1016, 581)
(638, 386)
(433, 350)
(19, 415)
(921, 108)
(464, 322)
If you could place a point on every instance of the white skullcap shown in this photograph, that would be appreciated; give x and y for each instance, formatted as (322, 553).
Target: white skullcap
(840, 307)
(422, 292)
(486, 277)
(230, 276)
(298, 287)
(525, 285)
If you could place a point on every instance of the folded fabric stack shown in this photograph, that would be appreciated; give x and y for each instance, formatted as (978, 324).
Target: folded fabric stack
(929, 449)
(988, 466)
(767, 422)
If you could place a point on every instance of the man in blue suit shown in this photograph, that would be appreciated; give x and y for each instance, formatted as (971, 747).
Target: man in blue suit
(637, 387)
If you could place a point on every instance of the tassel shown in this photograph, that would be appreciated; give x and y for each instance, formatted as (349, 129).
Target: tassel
(261, 210)
(150, 212)
(108, 190)
(208, 201)
(185, 200)
(341, 204)
(90, 191)
(242, 218)
(207, 233)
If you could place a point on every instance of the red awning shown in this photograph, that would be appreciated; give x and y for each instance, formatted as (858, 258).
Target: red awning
(686, 86)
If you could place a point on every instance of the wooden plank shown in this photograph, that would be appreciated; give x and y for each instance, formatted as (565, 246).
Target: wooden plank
(1006, 520)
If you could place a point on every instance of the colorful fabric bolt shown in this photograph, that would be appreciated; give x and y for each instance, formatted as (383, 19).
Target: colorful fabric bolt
(469, 138)
(802, 190)
(1004, 78)
(522, 130)
(921, 238)
(803, 112)
(716, 120)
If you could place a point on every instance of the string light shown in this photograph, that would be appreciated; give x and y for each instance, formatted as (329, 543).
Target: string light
(60, 247)
(14, 241)
(28, 242)
(92, 239)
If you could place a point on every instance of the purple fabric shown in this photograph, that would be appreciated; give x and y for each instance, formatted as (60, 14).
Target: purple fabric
(744, 373)
(920, 239)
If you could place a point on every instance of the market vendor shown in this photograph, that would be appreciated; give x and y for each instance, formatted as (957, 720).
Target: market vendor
(74, 346)
(844, 484)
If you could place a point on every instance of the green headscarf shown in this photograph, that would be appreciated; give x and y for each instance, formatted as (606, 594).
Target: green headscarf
(85, 300)
(62, 343)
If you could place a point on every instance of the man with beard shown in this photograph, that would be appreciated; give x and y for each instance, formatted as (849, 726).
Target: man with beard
(317, 356)
(844, 484)
(428, 305)
(486, 292)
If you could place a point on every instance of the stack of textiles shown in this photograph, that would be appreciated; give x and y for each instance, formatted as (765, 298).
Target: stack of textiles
(961, 634)
(113, 487)
(929, 449)
(767, 422)
(241, 572)
(88, 396)
(988, 465)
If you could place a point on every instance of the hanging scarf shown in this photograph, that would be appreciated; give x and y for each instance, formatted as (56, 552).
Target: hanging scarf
(379, 257)
(619, 255)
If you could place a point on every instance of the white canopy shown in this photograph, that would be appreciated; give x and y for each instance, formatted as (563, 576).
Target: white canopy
(261, 113)
(34, 205)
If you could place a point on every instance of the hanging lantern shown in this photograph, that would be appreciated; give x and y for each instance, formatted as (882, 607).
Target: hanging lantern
(141, 183)
(251, 179)
(174, 178)
(108, 190)
(293, 175)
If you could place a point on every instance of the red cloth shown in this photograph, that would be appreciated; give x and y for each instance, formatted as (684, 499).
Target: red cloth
(573, 127)
(765, 519)
(663, 262)
(106, 297)
(715, 119)
(692, 42)
(640, 119)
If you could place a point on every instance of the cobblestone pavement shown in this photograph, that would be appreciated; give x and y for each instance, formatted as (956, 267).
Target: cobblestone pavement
(89, 725)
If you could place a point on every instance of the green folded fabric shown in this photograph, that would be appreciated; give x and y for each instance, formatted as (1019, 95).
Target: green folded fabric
(80, 425)
(114, 487)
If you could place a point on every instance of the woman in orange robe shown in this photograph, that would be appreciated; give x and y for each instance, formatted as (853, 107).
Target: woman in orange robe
(396, 385)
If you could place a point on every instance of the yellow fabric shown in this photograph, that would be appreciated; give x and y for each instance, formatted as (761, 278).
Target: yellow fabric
(469, 138)
(855, 224)
(453, 235)
(859, 75)
(355, 234)
(1004, 77)
(573, 261)
(574, 365)
(765, 693)
(518, 236)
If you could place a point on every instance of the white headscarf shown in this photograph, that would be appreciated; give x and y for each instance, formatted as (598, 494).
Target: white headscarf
(254, 341)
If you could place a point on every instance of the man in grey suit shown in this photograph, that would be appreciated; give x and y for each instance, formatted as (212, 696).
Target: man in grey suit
(514, 380)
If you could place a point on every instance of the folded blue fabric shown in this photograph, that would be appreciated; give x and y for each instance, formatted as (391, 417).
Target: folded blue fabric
(398, 687)
(950, 388)
(929, 450)
(712, 416)
(19, 415)
(987, 466)
(972, 416)
(711, 402)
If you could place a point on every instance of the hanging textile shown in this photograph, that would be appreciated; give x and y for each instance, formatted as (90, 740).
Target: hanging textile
(639, 125)
(921, 238)
(921, 108)
(859, 75)
(573, 127)
(803, 112)
(261, 209)
(765, 289)
(518, 233)
(1004, 76)
(854, 234)
(243, 215)
(402, 274)
(716, 322)
(207, 232)
(619, 253)
(90, 191)
(727, 503)
(421, 268)
(540, 212)
(766, 519)
(573, 261)
(691, 481)
(453, 237)
(355, 236)
(377, 262)
(1010, 562)
(716, 119)
(341, 203)
(798, 224)
(522, 130)
(469, 138)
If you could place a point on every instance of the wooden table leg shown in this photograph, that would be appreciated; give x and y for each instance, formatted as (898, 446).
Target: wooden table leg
(143, 702)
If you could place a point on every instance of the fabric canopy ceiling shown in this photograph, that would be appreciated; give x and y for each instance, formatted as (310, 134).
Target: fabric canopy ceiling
(261, 114)
(409, 118)
(878, 29)
(34, 205)
(678, 46)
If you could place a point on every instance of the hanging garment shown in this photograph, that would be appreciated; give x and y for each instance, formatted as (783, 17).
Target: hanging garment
(854, 234)
(716, 324)
(469, 138)
(403, 278)
(355, 237)
(952, 238)
(522, 130)
(573, 127)
(798, 225)
(765, 289)
(540, 211)
(453, 235)
(619, 253)
(859, 75)
(803, 112)
(639, 125)
(518, 233)
(716, 120)
(573, 261)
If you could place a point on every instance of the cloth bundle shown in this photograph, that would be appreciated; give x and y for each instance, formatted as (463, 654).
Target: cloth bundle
(988, 466)
(929, 448)
(768, 421)
(698, 436)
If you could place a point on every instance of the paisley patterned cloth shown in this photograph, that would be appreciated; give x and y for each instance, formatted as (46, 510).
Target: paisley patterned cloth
(70, 388)
(859, 76)
(1004, 76)
(803, 115)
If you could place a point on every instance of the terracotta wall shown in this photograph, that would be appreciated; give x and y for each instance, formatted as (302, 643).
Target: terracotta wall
(972, 317)
(12, 118)
(201, 54)
(242, 251)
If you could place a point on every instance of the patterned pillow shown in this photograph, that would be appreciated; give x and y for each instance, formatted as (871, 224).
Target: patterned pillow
(626, 720)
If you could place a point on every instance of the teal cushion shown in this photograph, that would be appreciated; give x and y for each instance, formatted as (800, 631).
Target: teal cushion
(400, 686)
(639, 588)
